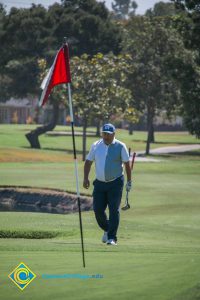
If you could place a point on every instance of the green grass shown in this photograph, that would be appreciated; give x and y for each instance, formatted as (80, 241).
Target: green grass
(158, 254)
(14, 136)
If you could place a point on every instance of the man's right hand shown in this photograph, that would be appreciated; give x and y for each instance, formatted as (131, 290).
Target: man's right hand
(86, 183)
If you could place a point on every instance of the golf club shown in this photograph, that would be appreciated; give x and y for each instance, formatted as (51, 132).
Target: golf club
(127, 205)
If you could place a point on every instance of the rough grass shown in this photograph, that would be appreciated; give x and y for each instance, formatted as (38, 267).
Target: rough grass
(31, 155)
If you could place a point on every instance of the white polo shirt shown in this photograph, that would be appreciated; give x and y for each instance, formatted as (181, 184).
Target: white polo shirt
(108, 159)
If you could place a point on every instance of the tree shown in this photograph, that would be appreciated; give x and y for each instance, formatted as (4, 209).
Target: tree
(87, 24)
(29, 34)
(98, 92)
(2, 17)
(98, 88)
(131, 115)
(21, 44)
(188, 24)
(3, 78)
(161, 9)
(124, 8)
(56, 99)
(191, 96)
(153, 44)
(190, 5)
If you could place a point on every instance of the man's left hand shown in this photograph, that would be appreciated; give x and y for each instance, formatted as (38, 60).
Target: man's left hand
(128, 186)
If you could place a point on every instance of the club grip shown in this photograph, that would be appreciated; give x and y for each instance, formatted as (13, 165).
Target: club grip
(133, 160)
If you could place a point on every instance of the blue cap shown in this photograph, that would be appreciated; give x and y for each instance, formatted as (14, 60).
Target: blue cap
(109, 128)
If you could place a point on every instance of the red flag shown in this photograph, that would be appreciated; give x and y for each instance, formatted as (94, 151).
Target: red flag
(59, 73)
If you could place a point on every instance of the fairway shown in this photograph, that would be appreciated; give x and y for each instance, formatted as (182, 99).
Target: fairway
(158, 254)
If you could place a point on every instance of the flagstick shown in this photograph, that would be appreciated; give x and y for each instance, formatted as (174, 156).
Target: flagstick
(76, 170)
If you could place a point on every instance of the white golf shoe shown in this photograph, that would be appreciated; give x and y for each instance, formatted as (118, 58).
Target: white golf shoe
(111, 242)
(105, 237)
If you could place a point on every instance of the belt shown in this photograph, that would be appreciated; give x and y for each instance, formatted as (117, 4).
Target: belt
(109, 180)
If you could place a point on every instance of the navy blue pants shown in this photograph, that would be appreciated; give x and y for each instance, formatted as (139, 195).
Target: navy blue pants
(108, 194)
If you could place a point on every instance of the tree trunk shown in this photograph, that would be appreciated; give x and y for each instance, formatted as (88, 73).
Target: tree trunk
(84, 137)
(98, 133)
(130, 128)
(150, 128)
(36, 116)
(152, 136)
(32, 136)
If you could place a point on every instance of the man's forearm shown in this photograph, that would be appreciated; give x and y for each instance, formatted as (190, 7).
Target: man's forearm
(87, 168)
(128, 171)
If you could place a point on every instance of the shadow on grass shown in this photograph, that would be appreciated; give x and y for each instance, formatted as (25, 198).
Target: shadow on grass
(68, 151)
(189, 294)
(66, 243)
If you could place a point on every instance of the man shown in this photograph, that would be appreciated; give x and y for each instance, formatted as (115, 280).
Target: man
(109, 155)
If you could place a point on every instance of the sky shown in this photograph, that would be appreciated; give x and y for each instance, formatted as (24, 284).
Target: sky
(143, 5)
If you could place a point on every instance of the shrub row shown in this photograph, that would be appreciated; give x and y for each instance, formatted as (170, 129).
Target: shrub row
(27, 234)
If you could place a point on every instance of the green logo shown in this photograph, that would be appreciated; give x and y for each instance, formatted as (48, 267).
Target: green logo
(22, 276)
